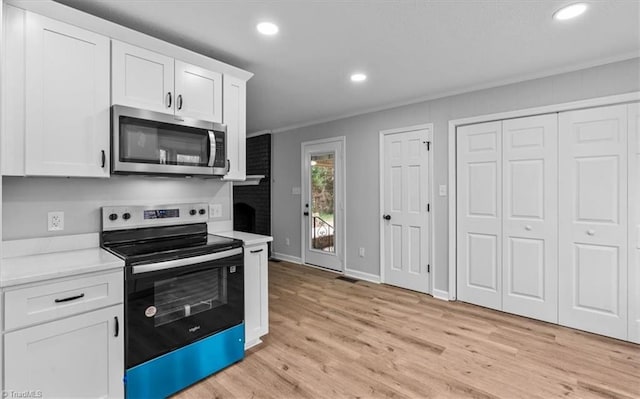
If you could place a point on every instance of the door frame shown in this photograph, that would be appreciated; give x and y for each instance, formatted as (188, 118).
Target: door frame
(452, 135)
(342, 141)
(432, 249)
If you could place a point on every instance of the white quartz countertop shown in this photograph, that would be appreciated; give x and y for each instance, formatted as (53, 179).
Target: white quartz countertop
(248, 238)
(41, 267)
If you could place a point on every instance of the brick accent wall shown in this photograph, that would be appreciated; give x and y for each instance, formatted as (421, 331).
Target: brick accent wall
(257, 197)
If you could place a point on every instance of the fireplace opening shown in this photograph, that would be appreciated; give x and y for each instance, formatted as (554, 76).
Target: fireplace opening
(244, 217)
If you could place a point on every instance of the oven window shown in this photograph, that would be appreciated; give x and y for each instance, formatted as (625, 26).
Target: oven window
(183, 296)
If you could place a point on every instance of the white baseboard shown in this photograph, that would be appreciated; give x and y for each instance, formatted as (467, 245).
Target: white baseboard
(286, 258)
(362, 276)
(442, 295)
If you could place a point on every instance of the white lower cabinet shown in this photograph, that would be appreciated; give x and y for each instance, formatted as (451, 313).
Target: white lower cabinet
(256, 296)
(81, 356)
(65, 338)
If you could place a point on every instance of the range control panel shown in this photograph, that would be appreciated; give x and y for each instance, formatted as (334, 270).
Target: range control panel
(130, 217)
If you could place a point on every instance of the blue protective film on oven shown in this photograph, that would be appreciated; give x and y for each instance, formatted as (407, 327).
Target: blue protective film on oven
(169, 373)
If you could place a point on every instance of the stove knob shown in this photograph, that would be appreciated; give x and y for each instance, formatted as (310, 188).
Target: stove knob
(202, 211)
(126, 216)
(192, 212)
(113, 217)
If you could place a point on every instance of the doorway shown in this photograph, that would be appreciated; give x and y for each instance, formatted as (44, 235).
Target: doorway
(406, 167)
(323, 237)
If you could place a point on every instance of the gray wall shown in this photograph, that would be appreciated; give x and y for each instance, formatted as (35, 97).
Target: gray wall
(27, 200)
(362, 174)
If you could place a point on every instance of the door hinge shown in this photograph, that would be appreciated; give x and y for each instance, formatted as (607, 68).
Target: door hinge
(428, 268)
(428, 143)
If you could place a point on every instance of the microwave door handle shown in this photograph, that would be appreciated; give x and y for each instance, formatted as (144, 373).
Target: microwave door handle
(212, 148)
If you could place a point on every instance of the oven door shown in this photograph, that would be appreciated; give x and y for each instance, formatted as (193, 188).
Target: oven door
(154, 143)
(172, 304)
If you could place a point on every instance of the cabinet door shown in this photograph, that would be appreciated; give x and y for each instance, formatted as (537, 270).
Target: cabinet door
(67, 100)
(76, 357)
(256, 297)
(479, 207)
(593, 220)
(141, 78)
(634, 220)
(198, 92)
(235, 117)
(530, 224)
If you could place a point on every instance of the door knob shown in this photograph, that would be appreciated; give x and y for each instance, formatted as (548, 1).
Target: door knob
(306, 213)
(386, 217)
(591, 232)
(528, 227)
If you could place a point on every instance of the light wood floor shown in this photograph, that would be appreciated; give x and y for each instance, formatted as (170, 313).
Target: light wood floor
(332, 339)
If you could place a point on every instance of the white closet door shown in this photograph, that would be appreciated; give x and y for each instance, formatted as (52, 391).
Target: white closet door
(530, 225)
(634, 220)
(479, 207)
(593, 220)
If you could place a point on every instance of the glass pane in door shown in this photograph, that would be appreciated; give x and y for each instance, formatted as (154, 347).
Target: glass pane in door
(322, 202)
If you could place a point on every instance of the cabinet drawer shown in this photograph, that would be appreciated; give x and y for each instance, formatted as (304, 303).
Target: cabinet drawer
(44, 302)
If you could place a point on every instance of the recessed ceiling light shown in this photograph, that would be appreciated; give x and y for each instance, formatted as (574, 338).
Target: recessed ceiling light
(570, 11)
(267, 28)
(358, 77)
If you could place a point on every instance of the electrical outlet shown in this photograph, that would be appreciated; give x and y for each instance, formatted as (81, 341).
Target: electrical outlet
(55, 221)
(361, 252)
(215, 210)
(295, 191)
(286, 241)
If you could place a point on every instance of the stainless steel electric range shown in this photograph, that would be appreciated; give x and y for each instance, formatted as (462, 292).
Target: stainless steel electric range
(184, 304)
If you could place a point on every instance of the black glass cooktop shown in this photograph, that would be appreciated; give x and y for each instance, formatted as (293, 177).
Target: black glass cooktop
(158, 244)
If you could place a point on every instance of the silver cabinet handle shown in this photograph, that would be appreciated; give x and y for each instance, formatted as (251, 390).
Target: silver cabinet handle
(212, 148)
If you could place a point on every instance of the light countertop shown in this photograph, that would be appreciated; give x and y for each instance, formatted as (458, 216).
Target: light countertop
(41, 267)
(248, 238)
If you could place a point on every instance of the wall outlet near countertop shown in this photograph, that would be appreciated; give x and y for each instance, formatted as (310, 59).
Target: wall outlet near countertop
(215, 210)
(361, 252)
(55, 221)
(287, 241)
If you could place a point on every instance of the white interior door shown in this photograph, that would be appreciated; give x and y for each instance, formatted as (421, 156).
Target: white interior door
(479, 221)
(634, 223)
(530, 226)
(406, 234)
(323, 203)
(593, 223)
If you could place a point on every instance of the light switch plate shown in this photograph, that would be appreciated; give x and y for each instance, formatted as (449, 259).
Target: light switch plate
(295, 191)
(443, 190)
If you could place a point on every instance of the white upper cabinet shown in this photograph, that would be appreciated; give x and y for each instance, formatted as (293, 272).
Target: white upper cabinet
(235, 118)
(141, 78)
(148, 80)
(198, 92)
(66, 100)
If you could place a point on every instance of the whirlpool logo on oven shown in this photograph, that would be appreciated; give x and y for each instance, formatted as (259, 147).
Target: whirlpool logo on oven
(194, 329)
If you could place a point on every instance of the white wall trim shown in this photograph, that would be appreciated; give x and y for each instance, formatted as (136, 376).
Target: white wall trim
(454, 124)
(362, 276)
(342, 141)
(432, 249)
(286, 258)
(468, 89)
(440, 294)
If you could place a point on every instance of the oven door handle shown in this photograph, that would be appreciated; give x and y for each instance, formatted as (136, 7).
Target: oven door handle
(153, 267)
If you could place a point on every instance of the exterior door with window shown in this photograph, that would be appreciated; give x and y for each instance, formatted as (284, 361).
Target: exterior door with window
(322, 204)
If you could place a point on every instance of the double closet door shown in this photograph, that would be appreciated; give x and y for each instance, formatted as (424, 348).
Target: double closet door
(543, 218)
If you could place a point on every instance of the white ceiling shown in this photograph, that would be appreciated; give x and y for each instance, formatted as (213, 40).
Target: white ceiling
(410, 50)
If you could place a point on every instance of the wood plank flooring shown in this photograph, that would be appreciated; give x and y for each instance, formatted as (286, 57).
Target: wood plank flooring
(335, 339)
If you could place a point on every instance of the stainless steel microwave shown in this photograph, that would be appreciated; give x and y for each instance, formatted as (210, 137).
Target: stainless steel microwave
(149, 143)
